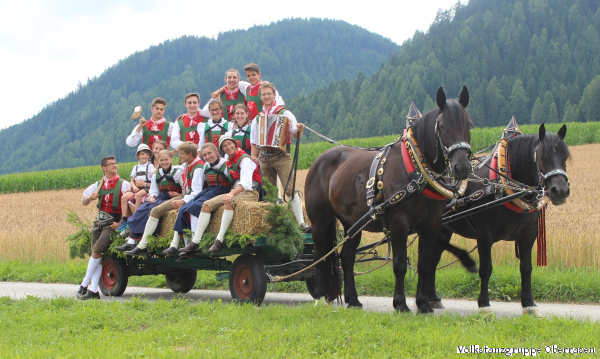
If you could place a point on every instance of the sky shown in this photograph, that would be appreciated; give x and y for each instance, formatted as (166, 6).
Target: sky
(48, 46)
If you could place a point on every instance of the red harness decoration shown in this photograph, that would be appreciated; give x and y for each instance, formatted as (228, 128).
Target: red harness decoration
(410, 168)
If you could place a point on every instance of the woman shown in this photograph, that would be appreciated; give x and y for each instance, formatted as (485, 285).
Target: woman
(240, 128)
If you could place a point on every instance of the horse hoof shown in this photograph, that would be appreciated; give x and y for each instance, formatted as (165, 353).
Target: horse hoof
(533, 311)
(427, 310)
(321, 302)
(436, 304)
(486, 310)
(473, 269)
(402, 309)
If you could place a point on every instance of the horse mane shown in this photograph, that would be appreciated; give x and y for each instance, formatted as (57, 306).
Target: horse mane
(454, 117)
(520, 154)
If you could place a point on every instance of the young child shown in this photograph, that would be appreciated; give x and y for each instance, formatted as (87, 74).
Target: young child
(240, 128)
(141, 177)
(156, 148)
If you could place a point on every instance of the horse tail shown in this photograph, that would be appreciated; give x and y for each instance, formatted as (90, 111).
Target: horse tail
(331, 269)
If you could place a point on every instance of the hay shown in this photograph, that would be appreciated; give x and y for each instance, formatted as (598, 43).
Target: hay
(248, 218)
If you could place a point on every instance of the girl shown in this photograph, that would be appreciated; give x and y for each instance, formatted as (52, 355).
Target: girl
(140, 183)
(240, 129)
(217, 126)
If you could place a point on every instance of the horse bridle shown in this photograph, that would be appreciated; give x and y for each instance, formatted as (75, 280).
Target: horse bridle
(555, 172)
(447, 151)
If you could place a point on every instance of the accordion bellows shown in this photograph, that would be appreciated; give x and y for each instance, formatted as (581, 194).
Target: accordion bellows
(272, 131)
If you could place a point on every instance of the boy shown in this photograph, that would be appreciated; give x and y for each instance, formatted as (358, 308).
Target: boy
(157, 128)
(189, 127)
(108, 192)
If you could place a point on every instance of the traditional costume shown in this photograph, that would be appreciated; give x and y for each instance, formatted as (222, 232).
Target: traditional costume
(242, 137)
(188, 129)
(253, 101)
(151, 132)
(214, 130)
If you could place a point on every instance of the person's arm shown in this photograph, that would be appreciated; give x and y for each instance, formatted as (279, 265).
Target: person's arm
(197, 184)
(253, 141)
(278, 99)
(295, 128)
(247, 169)
(125, 187)
(136, 135)
(175, 136)
(153, 188)
(204, 112)
(89, 194)
(217, 93)
(243, 86)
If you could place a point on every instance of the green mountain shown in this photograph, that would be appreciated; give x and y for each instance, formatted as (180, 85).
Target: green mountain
(536, 59)
(298, 56)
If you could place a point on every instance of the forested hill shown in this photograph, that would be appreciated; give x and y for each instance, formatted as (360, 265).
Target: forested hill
(297, 55)
(536, 59)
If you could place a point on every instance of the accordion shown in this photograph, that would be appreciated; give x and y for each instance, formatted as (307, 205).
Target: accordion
(272, 131)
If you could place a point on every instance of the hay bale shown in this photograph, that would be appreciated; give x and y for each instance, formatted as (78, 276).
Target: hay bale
(167, 222)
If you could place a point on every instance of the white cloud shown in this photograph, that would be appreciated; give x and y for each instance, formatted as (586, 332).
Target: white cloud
(47, 47)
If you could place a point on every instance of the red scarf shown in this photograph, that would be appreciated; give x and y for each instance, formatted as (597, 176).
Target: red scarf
(236, 156)
(187, 168)
(230, 95)
(193, 122)
(153, 126)
(108, 184)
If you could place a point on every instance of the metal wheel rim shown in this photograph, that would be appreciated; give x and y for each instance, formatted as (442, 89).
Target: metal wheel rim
(109, 282)
(242, 281)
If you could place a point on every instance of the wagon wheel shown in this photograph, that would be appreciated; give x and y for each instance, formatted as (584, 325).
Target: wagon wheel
(181, 281)
(115, 275)
(248, 280)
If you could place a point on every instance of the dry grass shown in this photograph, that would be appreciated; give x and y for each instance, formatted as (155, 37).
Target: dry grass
(34, 225)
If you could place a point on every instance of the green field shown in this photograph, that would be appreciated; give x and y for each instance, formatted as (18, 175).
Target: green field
(67, 328)
(81, 177)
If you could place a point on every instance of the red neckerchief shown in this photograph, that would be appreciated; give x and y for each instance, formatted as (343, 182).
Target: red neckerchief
(270, 110)
(236, 156)
(252, 88)
(109, 183)
(153, 126)
(187, 168)
(193, 122)
(230, 95)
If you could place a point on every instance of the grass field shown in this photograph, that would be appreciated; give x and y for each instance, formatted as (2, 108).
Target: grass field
(66, 328)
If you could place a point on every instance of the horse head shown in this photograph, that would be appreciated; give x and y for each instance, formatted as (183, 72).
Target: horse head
(453, 129)
(551, 155)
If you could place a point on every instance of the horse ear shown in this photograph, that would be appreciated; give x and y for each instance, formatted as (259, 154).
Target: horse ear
(464, 97)
(440, 99)
(562, 132)
(542, 132)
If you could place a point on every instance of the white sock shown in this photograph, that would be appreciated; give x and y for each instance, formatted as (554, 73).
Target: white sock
(296, 204)
(148, 230)
(91, 268)
(96, 279)
(203, 222)
(279, 189)
(130, 241)
(225, 222)
(193, 223)
(175, 241)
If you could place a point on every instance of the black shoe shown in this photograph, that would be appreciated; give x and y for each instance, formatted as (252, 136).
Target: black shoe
(90, 295)
(191, 247)
(185, 256)
(125, 247)
(81, 292)
(171, 252)
(305, 228)
(216, 246)
(137, 251)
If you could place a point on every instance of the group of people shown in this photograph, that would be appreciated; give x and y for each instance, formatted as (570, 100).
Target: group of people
(223, 163)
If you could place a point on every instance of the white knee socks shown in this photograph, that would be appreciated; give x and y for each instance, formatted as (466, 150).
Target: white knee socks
(148, 230)
(96, 279)
(91, 268)
(203, 222)
(193, 223)
(225, 222)
(175, 241)
(296, 205)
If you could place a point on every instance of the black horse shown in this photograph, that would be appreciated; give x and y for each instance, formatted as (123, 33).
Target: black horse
(336, 187)
(535, 160)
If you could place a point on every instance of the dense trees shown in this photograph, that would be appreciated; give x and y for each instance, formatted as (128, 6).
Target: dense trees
(297, 55)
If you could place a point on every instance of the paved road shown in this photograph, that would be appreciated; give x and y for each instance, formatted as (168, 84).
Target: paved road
(380, 304)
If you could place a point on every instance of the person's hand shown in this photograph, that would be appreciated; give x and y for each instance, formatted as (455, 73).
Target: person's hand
(94, 196)
(173, 194)
(177, 204)
(152, 199)
(142, 121)
(135, 189)
(115, 225)
(180, 117)
(255, 159)
(227, 199)
(140, 183)
(214, 94)
(299, 130)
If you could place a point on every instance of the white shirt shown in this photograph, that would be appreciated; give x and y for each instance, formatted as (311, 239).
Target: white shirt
(176, 172)
(176, 137)
(94, 186)
(134, 139)
(247, 167)
(197, 184)
(291, 128)
(148, 167)
(243, 86)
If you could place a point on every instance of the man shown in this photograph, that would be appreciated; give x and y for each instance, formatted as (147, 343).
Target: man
(108, 192)
(218, 182)
(247, 182)
(230, 94)
(157, 128)
(250, 91)
(193, 182)
(189, 127)
(275, 162)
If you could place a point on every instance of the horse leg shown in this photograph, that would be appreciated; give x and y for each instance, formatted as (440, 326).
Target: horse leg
(327, 278)
(348, 257)
(398, 236)
(427, 241)
(485, 271)
(443, 243)
(525, 247)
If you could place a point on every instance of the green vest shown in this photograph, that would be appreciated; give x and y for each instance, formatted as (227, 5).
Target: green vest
(114, 191)
(255, 99)
(215, 131)
(163, 134)
(220, 177)
(167, 181)
(184, 130)
(227, 103)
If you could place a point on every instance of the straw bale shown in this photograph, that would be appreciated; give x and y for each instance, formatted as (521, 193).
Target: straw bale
(167, 222)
